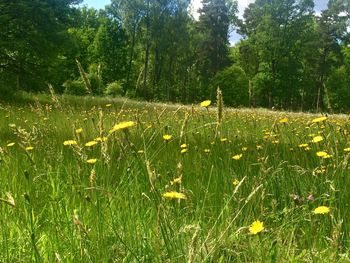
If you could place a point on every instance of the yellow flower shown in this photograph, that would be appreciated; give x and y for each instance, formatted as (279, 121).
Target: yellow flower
(108, 105)
(10, 144)
(319, 119)
(323, 154)
(90, 143)
(80, 130)
(256, 227)
(321, 210)
(206, 103)
(174, 195)
(140, 151)
(235, 182)
(284, 120)
(167, 137)
(223, 139)
(184, 150)
(317, 139)
(100, 139)
(237, 157)
(91, 161)
(207, 150)
(183, 146)
(244, 149)
(122, 125)
(29, 148)
(303, 145)
(347, 150)
(70, 142)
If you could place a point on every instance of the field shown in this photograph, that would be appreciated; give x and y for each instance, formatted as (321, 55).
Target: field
(98, 180)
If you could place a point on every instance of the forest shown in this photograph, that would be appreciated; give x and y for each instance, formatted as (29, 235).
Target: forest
(290, 57)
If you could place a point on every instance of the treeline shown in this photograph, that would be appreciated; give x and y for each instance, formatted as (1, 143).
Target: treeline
(290, 57)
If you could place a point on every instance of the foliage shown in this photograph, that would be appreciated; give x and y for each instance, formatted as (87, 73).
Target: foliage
(74, 87)
(114, 89)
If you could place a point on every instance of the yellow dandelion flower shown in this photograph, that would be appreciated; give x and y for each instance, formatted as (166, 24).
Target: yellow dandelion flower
(244, 149)
(183, 146)
(91, 161)
(256, 227)
(317, 139)
(205, 103)
(284, 120)
(323, 155)
(319, 119)
(223, 139)
(235, 182)
(184, 150)
(122, 125)
(100, 139)
(174, 195)
(80, 130)
(347, 150)
(29, 148)
(303, 145)
(10, 144)
(140, 151)
(237, 157)
(90, 143)
(321, 210)
(70, 142)
(167, 137)
(108, 105)
(259, 147)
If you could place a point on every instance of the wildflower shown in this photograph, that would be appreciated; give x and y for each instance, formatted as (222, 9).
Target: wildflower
(108, 105)
(317, 139)
(284, 120)
(321, 210)
(256, 227)
(100, 139)
(183, 146)
(235, 182)
(347, 150)
(70, 142)
(80, 130)
(91, 161)
(207, 150)
(206, 103)
(259, 147)
(184, 150)
(174, 195)
(90, 143)
(323, 154)
(167, 137)
(237, 157)
(10, 144)
(244, 149)
(303, 145)
(319, 119)
(223, 139)
(29, 148)
(122, 125)
(140, 151)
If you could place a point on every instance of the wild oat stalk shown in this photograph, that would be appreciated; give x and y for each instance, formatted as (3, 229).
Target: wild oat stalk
(84, 77)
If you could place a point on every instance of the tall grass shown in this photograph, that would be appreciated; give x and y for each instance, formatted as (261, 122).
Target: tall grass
(56, 207)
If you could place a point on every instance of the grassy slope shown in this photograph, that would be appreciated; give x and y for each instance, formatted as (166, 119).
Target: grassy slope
(64, 208)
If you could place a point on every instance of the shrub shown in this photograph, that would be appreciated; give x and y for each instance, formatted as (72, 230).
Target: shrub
(114, 89)
(74, 87)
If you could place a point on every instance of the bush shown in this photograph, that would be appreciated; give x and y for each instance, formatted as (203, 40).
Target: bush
(114, 89)
(74, 87)
(234, 85)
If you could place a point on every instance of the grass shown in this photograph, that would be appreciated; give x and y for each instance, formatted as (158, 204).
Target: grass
(56, 207)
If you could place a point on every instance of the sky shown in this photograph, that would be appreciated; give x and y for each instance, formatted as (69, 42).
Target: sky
(242, 4)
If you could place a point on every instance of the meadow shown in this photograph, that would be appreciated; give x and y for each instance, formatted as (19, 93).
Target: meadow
(102, 180)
